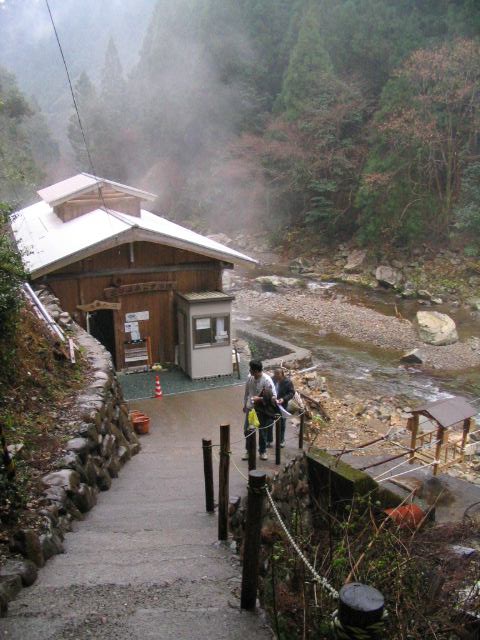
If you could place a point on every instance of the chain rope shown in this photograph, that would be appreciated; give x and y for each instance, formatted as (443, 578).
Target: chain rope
(323, 582)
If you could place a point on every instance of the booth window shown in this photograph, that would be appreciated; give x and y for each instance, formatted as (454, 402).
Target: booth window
(211, 330)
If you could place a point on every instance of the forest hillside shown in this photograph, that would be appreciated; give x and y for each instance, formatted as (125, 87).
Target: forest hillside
(350, 119)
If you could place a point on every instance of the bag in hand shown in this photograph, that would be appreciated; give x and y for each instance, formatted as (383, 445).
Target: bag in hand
(296, 404)
(253, 421)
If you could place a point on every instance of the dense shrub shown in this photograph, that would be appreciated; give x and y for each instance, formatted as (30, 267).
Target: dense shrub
(12, 275)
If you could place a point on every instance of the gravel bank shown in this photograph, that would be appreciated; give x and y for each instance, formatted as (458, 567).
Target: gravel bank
(359, 324)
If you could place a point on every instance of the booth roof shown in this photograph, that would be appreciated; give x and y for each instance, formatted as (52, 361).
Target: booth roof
(448, 411)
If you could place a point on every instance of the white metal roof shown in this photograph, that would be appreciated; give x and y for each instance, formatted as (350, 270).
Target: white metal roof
(48, 244)
(84, 182)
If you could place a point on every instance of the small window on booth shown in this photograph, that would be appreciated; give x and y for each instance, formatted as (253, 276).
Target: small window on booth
(211, 331)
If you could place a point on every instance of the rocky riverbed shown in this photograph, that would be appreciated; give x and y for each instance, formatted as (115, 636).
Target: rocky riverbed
(357, 323)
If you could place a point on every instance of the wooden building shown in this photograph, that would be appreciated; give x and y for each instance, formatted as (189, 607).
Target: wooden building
(116, 267)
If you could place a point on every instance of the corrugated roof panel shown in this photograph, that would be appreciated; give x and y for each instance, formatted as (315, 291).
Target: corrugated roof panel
(45, 240)
(151, 222)
(49, 244)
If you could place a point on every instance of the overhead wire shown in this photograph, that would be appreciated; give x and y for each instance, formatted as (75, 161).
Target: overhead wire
(80, 124)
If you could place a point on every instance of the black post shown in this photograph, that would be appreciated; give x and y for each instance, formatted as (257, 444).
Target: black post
(252, 449)
(208, 473)
(278, 426)
(223, 481)
(362, 607)
(301, 432)
(251, 545)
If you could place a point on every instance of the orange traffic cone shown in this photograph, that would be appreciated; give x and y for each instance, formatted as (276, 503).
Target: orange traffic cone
(158, 388)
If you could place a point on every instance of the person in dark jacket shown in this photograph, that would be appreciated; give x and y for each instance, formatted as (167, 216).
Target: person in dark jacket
(285, 392)
(259, 394)
(267, 409)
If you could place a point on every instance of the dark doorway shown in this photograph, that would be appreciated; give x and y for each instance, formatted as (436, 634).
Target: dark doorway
(102, 328)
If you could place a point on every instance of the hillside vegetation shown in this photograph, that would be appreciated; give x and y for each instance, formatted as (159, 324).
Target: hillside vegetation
(347, 118)
(37, 388)
(353, 118)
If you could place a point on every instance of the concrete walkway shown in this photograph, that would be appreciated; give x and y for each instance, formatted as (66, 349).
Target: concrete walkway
(145, 563)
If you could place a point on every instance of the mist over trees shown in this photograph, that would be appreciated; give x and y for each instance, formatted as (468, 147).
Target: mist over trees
(345, 118)
(25, 143)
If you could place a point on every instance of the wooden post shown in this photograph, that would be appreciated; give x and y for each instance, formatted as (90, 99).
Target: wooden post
(252, 449)
(208, 473)
(237, 360)
(223, 481)
(361, 606)
(278, 454)
(413, 441)
(301, 432)
(251, 545)
(466, 429)
(438, 448)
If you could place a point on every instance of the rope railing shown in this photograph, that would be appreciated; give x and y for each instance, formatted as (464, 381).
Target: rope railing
(427, 445)
(318, 579)
(429, 464)
(342, 625)
(255, 429)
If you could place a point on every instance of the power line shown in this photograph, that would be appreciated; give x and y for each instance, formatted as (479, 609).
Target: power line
(90, 161)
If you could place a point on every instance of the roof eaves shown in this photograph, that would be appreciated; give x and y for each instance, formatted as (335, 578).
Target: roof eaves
(140, 193)
(146, 235)
(77, 192)
(86, 252)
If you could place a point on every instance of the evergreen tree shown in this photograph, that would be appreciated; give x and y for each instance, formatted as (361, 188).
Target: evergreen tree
(18, 171)
(266, 24)
(86, 99)
(113, 85)
(45, 149)
(309, 83)
(103, 134)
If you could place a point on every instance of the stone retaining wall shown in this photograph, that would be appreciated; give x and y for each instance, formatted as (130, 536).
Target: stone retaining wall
(295, 357)
(103, 440)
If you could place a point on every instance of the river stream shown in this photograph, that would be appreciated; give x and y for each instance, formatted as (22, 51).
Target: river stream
(357, 368)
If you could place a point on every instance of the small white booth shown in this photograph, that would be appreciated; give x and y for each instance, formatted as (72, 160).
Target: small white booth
(204, 333)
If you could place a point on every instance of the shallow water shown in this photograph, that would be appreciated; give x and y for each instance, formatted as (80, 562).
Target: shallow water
(353, 367)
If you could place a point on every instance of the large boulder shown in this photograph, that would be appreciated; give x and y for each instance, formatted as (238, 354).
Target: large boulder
(278, 282)
(355, 261)
(388, 276)
(436, 328)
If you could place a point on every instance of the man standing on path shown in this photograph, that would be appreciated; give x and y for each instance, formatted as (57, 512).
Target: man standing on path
(259, 394)
(285, 392)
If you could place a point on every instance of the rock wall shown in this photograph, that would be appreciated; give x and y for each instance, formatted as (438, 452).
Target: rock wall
(102, 441)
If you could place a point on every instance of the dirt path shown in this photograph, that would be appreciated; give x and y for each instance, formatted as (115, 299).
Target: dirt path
(145, 563)
(357, 323)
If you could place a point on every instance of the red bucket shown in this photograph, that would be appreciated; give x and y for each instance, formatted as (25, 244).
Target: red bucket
(141, 424)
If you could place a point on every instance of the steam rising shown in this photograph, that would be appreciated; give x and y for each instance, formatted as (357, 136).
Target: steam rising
(179, 114)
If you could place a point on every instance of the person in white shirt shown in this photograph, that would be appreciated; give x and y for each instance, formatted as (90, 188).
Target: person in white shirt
(260, 394)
